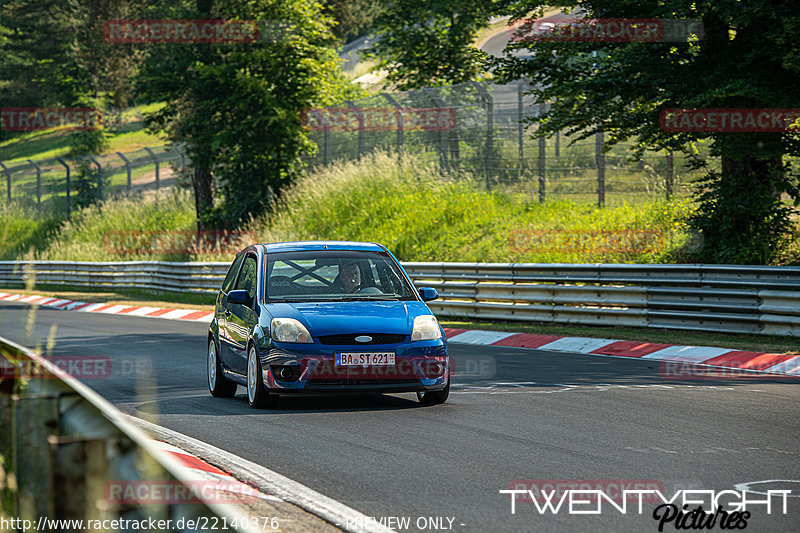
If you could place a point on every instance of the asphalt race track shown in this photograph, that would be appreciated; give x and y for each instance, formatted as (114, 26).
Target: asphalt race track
(512, 415)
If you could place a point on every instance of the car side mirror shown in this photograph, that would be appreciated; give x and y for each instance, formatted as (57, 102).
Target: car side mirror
(428, 293)
(239, 297)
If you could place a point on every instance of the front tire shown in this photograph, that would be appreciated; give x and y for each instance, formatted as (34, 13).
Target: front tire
(257, 395)
(435, 397)
(217, 384)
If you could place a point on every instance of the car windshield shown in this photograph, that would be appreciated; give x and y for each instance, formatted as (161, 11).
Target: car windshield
(335, 275)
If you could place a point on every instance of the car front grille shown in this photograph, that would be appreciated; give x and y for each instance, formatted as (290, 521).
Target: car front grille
(362, 381)
(350, 339)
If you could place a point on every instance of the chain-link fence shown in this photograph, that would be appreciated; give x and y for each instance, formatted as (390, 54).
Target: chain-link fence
(55, 184)
(488, 138)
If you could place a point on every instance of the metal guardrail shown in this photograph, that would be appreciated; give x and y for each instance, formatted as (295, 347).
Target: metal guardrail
(150, 275)
(722, 298)
(65, 444)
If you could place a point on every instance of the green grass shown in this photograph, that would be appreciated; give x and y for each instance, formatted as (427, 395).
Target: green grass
(23, 232)
(86, 237)
(421, 216)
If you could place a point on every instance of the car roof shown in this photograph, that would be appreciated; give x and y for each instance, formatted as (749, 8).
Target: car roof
(296, 246)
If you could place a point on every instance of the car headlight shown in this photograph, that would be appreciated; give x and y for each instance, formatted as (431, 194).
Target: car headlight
(426, 328)
(289, 330)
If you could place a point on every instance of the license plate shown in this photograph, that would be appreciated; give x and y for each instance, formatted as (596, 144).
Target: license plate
(364, 358)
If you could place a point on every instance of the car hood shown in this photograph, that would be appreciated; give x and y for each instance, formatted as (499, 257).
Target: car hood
(329, 318)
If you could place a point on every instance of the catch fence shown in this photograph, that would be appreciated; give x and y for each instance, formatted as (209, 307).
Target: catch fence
(490, 140)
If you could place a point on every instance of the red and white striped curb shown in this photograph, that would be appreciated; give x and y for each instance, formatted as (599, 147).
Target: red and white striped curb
(773, 363)
(195, 470)
(728, 358)
(192, 315)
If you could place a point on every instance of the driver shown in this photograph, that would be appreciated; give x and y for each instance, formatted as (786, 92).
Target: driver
(350, 277)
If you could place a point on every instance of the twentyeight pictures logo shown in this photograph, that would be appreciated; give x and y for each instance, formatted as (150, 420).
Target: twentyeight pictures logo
(683, 509)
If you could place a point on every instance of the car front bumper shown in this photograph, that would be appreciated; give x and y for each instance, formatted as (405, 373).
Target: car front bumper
(419, 366)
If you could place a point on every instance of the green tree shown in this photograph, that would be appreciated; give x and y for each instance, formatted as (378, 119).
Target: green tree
(354, 18)
(36, 41)
(430, 43)
(237, 107)
(747, 58)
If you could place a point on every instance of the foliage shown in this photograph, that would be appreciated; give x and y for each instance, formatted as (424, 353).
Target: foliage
(89, 235)
(429, 43)
(747, 58)
(84, 142)
(421, 216)
(21, 231)
(354, 18)
(237, 109)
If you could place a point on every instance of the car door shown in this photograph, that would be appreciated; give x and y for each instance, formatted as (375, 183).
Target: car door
(242, 318)
(222, 311)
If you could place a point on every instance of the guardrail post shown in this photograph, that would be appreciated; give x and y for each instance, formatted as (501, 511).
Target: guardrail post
(66, 166)
(399, 112)
(38, 184)
(127, 168)
(670, 174)
(6, 414)
(36, 418)
(351, 105)
(80, 469)
(8, 179)
(158, 170)
(99, 180)
(601, 169)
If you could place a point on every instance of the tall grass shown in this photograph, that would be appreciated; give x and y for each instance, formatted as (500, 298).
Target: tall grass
(23, 232)
(409, 207)
(91, 234)
(421, 216)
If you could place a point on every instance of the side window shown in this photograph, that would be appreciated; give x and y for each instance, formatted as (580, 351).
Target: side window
(227, 285)
(247, 278)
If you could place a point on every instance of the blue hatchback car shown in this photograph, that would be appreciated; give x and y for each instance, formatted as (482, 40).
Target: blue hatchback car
(321, 318)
